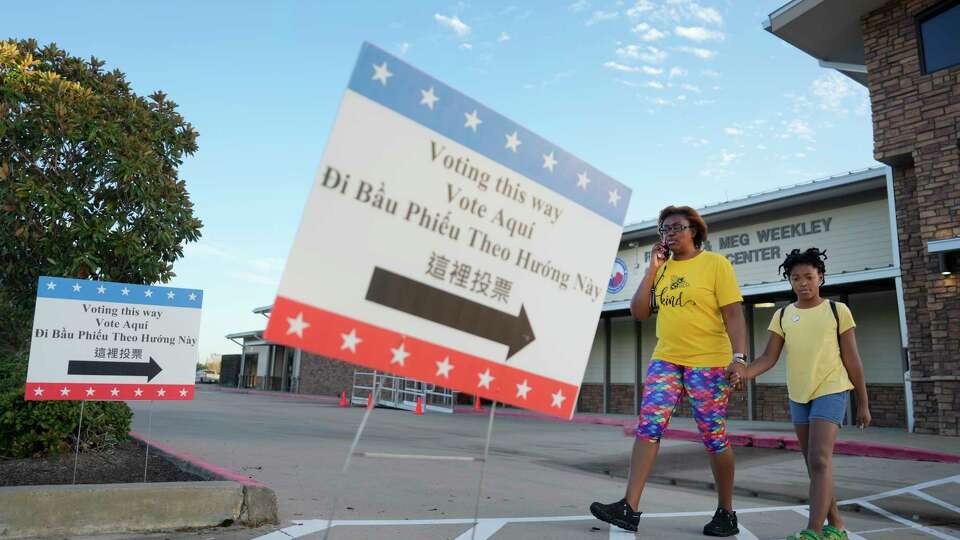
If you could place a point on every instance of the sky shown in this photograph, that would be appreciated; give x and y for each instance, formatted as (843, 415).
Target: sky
(687, 102)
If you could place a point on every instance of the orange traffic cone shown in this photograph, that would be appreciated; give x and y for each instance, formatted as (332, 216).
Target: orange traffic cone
(419, 410)
(476, 404)
(370, 401)
(343, 400)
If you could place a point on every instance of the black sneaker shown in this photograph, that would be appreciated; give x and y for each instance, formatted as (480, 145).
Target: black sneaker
(618, 513)
(723, 524)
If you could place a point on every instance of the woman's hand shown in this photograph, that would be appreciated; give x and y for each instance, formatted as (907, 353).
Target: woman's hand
(737, 375)
(658, 256)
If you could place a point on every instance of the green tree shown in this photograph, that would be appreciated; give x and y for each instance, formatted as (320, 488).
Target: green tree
(88, 184)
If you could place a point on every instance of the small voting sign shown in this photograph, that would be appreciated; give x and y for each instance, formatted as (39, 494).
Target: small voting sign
(446, 243)
(96, 340)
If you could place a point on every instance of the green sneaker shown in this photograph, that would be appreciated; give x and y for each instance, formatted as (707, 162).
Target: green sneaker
(832, 533)
(805, 534)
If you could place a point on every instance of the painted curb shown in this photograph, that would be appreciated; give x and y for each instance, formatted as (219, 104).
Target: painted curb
(782, 442)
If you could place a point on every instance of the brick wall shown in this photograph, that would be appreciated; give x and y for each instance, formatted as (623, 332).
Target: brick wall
(771, 402)
(591, 398)
(916, 125)
(620, 400)
(887, 405)
(324, 376)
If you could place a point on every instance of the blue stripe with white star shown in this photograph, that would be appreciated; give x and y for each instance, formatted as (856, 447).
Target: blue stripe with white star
(124, 293)
(408, 91)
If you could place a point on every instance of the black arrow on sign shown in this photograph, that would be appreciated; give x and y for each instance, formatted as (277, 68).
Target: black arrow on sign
(124, 369)
(428, 302)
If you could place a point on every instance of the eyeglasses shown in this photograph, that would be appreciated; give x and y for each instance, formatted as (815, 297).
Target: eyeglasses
(677, 228)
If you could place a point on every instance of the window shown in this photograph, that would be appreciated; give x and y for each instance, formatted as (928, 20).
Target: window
(940, 37)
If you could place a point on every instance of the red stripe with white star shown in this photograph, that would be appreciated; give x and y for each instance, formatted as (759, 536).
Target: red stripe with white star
(328, 334)
(53, 391)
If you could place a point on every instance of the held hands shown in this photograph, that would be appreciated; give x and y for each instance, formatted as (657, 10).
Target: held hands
(737, 375)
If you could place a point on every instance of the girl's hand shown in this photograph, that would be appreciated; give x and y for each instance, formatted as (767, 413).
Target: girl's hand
(863, 417)
(737, 374)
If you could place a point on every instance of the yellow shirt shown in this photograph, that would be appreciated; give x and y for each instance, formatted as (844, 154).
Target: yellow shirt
(689, 295)
(814, 367)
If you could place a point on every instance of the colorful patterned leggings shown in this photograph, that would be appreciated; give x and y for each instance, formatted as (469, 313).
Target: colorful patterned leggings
(708, 391)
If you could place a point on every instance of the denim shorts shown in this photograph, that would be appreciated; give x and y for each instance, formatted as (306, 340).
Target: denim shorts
(831, 407)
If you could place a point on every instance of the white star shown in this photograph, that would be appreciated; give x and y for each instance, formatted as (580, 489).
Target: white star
(472, 120)
(522, 389)
(549, 161)
(614, 197)
(513, 142)
(183, 392)
(161, 392)
(125, 291)
(192, 297)
(114, 392)
(64, 391)
(381, 73)
(485, 379)
(558, 399)
(148, 293)
(89, 391)
(76, 287)
(582, 180)
(443, 368)
(101, 289)
(428, 98)
(297, 325)
(350, 341)
(51, 285)
(399, 355)
(170, 295)
(138, 392)
(38, 391)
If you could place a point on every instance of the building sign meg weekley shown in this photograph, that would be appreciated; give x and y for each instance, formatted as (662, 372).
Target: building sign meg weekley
(761, 246)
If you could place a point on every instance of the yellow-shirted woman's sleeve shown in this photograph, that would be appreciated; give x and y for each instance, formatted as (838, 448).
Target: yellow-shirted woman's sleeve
(846, 318)
(775, 323)
(726, 287)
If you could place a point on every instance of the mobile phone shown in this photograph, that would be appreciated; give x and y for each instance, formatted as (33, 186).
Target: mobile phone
(666, 248)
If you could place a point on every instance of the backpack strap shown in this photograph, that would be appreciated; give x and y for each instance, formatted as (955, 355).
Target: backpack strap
(782, 329)
(836, 317)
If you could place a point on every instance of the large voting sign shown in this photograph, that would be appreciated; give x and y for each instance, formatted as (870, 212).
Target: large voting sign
(98, 340)
(444, 242)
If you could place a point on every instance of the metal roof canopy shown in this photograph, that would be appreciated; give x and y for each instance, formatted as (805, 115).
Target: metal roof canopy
(828, 30)
(828, 188)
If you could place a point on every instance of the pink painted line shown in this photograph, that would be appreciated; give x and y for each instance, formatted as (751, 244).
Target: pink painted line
(270, 393)
(218, 471)
(788, 442)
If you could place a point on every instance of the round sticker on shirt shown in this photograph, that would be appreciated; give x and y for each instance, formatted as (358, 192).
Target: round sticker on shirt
(796, 318)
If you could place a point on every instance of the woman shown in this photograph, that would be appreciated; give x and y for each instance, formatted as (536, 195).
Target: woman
(700, 332)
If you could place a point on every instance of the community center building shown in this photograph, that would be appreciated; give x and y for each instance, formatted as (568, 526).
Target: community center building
(892, 235)
(907, 54)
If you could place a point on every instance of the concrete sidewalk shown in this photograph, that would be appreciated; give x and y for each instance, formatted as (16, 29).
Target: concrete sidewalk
(888, 443)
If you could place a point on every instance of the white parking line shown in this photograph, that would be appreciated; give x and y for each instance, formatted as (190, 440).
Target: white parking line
(930, 498)
(485, 529)
(488, 527)
(905, 521)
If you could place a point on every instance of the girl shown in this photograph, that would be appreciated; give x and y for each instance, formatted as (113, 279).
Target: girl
(700, 330)
(822, 365)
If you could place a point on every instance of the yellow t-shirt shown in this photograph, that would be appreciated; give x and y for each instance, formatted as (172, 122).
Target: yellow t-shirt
(814, 367)
(689, 295)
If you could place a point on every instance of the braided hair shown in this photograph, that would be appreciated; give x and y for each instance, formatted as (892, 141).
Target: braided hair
(812, 256)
